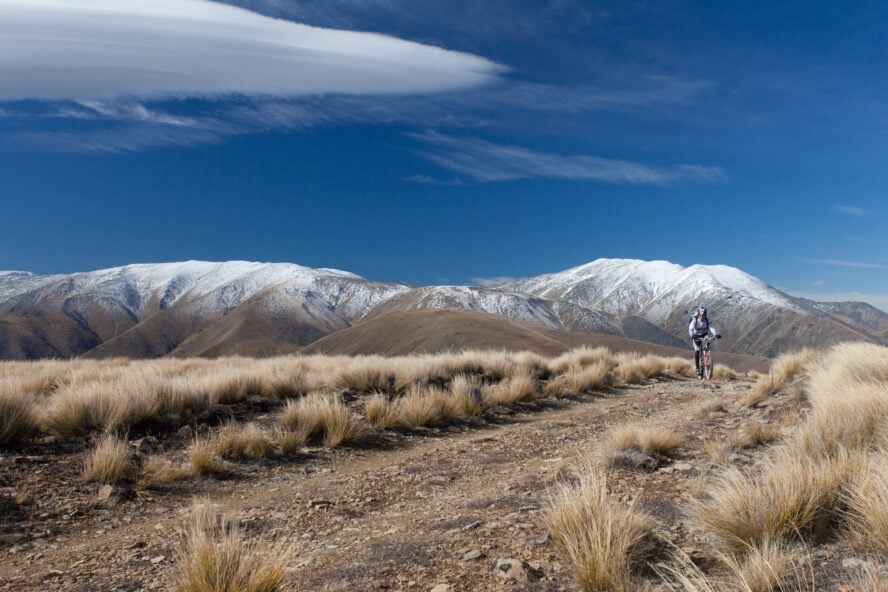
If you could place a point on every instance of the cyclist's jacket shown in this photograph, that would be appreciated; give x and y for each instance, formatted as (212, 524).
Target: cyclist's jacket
(698, 328)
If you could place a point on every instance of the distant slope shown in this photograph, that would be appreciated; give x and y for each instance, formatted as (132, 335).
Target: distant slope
(436, 330)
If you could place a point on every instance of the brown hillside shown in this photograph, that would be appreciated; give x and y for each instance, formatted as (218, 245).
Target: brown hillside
(429, 331)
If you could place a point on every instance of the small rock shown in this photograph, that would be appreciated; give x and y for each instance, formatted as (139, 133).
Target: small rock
(472, 555)
(511, 569)
(186, 432)
(146, 444)
(442, 588)
(542, 539)
(158, 559)
(683, 467)
(320, 503)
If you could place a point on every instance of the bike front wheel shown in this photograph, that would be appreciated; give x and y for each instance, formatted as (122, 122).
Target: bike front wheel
(708, 367)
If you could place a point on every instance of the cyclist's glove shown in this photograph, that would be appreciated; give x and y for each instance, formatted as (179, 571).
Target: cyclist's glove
(718, 336)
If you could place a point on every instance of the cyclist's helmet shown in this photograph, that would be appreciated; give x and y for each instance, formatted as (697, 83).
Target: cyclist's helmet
(701, 311)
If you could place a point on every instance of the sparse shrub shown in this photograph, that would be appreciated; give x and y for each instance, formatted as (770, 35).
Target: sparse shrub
(235, 441)
(598, 537)
(18, 419)
(108, 462)
(215, 556)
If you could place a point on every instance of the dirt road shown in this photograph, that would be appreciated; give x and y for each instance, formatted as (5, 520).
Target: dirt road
(432, 510)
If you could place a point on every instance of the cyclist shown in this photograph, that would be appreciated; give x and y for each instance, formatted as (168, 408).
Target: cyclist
(698, 328)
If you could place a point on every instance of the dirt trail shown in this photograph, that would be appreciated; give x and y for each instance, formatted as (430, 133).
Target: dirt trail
(439, 508)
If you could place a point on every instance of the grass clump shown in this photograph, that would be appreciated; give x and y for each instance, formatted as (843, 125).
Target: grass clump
(203, 459)
(636, 447)
(215, 556)
(515, 389)
(18, 419)
(235, 441)
(421, 406)
(599, 538)
(791, 493)
(156, 471)
(381, 412)
(322, 417)
(108, 462)
(783, 370)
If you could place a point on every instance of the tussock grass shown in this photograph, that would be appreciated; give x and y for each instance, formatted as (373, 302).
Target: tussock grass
(856, 422)
(723, 372)
(203, 458)
(108, 462)
(754, 435)
(515, 389)
(790, 493)
(421, 406)
(718, 453)
(215, 556)
(783, 370)
(18, 417)
(156, 471)
(633, 368)
(238, 441)
(463, 399)
(324, 417)
(635, 446)
(598, 537)
(766, 567)
(867, 501)
(579, 358)
(381, 412)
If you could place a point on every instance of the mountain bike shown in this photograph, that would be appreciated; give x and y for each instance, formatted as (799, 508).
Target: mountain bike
(706, 361)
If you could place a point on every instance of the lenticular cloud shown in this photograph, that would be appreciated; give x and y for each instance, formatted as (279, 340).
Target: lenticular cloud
(88, 49)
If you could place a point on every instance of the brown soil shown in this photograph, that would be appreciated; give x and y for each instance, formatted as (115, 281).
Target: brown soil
(406, 512)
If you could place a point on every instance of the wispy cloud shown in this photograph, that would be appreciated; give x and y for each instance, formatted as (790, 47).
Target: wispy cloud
(850, 210)
(486, 162)
(52, 50)
(845, 263)
(492, 282)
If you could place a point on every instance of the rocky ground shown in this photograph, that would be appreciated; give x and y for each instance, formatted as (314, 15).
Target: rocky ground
(453, 508)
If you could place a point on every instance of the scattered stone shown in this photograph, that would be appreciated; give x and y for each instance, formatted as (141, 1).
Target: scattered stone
(472, 555)
(146, 445)
(318, 503)
(11, 539)
(186, 432)
(472, 525)
(855, 563)
(683, 467)
(542, 539)
(511, 569)
(158, 559)
(442, 588)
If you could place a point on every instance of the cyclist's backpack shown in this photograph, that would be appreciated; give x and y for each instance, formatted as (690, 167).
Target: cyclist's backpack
(701, 328)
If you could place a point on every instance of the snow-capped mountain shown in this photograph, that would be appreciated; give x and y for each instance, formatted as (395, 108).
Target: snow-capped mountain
(204, 308)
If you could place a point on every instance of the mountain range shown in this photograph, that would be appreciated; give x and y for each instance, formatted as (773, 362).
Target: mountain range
(198, 308)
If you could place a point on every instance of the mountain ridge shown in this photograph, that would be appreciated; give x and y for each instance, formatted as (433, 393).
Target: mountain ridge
(252, 308)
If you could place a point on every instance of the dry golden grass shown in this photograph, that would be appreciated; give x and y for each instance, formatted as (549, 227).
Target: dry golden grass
(633, 368)
(790, 493)
(238, 441)
(421, 406)
(723, 372)
(718, 453)
(857, 422)
(215, 556)
(381, 412)
(515, 389)
(596, 536)
(766, 567)
(108, 462)
(580, 357)
(288, 441)
(784, 369)
(324, 417)
(633, 446)
(463, 399)
(867, 578)
(754, 435)
(18, 418)
(203, 459)
(156, 471)
(867, 502)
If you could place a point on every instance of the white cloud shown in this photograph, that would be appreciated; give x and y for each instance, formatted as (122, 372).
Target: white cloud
(850, 210)
(844, 263)
(88, 49)
(880, 301)
(485, 161)
(492, 282)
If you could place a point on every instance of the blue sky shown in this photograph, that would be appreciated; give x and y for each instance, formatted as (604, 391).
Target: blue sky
(449, 142)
